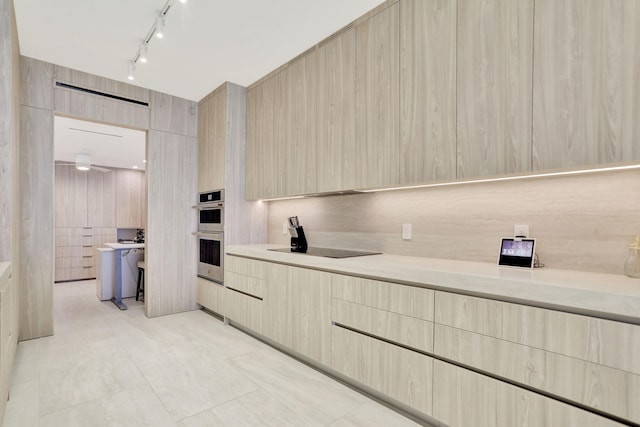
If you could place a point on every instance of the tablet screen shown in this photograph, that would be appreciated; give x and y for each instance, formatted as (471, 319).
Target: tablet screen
(517, 252)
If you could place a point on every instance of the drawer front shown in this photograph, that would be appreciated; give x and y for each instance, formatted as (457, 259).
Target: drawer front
(246, 284)
(75, 262)
(401, 374)
(406, 330)
(465, 398)
(590, 384)
(244, 266)
(74, 273)
(210, 295)
(606, 342)
(243, 309)
(69, 251)
(402, 299)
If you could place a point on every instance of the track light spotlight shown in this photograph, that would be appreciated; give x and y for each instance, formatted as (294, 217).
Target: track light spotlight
(131, 70)
(143, 52)
(160, 26)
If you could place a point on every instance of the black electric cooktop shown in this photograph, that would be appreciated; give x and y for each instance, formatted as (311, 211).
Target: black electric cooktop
(328, 252)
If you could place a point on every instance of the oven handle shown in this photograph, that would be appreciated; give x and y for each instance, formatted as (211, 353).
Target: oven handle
(208, 233)
(210, 206)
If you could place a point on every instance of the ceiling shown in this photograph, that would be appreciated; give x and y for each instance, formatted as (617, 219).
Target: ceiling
(109, 146)
(206, 43)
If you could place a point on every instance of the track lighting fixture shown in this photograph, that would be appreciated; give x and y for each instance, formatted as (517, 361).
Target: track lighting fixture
(131, 70)
(157, 30)
(160, 26)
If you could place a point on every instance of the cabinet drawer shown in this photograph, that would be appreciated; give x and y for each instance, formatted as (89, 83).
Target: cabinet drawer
(210, 295)
(74, 262)
(605, 342)
(406, 330)
(244, 266)
(588, 383)
(465, 398)
(246, 284)
(243, 309)
(74, 273)
(401, 374)
(408, 300)
(69, 251)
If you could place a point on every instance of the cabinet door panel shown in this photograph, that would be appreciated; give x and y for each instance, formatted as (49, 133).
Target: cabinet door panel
(494, 84)
(586, 92)
(243, 309)
(399, 373)
(101, 197)
(203, 148)
(210, 295)
(216, 140)
(377, 100)
(71, 197)
(129, 196)
(427, 90)
(336, 103)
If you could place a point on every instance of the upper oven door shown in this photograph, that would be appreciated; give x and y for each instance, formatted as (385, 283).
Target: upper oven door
(211, 218)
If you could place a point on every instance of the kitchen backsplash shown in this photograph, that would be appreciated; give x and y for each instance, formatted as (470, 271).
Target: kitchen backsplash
(581, 222)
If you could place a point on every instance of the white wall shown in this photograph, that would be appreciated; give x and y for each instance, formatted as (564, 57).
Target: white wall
(582, 222)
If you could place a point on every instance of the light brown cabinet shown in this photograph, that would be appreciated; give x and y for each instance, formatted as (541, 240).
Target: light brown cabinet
(212, 137)
(130, 199)
(378, 100)
(494, 87)
(585, 91)
(8, 335)
(101, 199)
(71, 196)
(427, 90)
(210, 295)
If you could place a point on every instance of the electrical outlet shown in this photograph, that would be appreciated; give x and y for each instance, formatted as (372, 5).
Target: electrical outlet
(285, 228)
(406, 231)
(521, 230)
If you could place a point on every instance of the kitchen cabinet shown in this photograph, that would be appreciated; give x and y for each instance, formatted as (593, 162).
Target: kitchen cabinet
(212, 137)
(585, 91)
(210, 295)
(244, 292)
(130, 191)
(378, 100)
(336, 113)
(467, 398)
(8, 331)
(427, 90)
(101, 199)
(494, 86)
(75, 251)
(71, 196)
(579, 358)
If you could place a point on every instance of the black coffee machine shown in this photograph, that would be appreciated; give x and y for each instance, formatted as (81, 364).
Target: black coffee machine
(298, 240)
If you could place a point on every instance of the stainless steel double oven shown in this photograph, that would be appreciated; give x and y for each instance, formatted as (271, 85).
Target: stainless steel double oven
(211, 235)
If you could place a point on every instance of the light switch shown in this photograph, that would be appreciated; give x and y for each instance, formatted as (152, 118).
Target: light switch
(406, 231)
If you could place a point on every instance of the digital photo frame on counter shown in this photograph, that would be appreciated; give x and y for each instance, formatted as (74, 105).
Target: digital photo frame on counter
(517, 252)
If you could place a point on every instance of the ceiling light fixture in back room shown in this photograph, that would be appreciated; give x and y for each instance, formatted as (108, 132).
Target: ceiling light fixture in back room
(157, 29)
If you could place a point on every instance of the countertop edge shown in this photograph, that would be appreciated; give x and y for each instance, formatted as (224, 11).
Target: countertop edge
(606, 296)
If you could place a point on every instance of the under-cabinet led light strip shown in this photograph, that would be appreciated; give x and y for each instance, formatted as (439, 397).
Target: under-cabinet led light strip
(157, 29)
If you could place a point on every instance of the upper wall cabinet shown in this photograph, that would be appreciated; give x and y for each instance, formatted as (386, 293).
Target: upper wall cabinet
(71, 196)
(212, 137)
(101, 198)
(377, 100)
(427, 90)
(494, 62)
(130, 191)
(336, 112)
(586, 83)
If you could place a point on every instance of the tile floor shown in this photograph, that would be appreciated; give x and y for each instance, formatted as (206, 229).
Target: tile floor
(106, 367)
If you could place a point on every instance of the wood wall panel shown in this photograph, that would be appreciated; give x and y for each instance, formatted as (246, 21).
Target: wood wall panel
(103, 84)
(101, 198)
(37, 83)
(427, 90)
(36, 223)
(494, 86)
(377, 100)
(586, 90)
(336, 105)
(170, 251)
(174, 115)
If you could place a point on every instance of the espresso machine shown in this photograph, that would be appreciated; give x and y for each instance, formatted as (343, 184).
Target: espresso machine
(298, 240)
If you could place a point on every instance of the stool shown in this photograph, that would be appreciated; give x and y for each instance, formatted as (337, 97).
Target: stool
(140, 288)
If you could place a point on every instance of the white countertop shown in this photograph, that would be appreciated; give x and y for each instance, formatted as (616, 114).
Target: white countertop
(609, 296)
(125, 245)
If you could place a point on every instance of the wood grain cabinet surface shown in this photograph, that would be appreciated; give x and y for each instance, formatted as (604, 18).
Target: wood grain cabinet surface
(494, 86)
(71, 197)
(8, 337)
(427, 90)
(101, 199)
(466, 398)
(212, 137)
(211, 295)
(585, 87)
(378, 100)
(130, 190)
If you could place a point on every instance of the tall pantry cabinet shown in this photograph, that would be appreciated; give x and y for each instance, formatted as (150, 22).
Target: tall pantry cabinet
(90, 206)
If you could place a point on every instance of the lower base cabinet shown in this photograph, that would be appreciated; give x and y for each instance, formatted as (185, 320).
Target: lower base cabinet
(243, 309)
(466, 398)
(403, 375)
(210, 295)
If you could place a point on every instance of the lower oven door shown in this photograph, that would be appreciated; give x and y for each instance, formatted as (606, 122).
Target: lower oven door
(211, 256)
